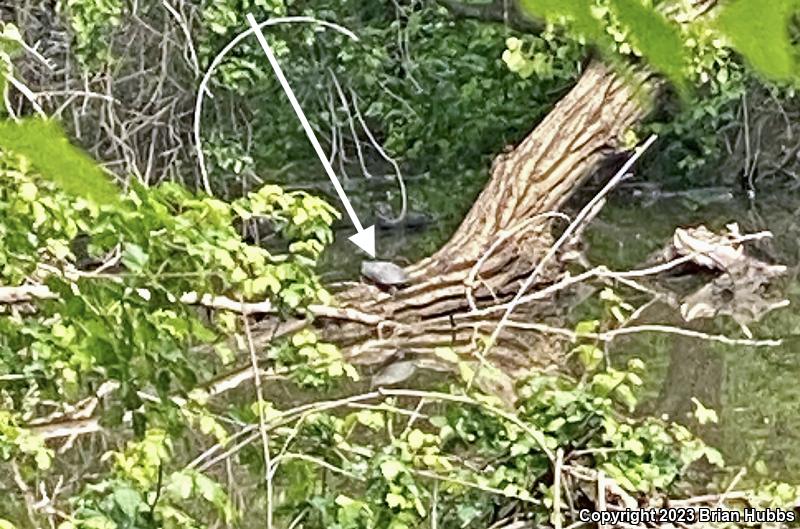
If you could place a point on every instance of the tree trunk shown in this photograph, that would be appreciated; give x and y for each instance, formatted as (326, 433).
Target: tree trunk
(448, 301)
(439, 306)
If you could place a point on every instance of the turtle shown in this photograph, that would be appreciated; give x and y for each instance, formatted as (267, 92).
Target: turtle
(385, 275)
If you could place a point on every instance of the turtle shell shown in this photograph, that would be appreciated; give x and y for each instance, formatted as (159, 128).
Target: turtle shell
(384, 273)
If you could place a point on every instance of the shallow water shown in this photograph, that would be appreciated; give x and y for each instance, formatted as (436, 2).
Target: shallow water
(756, 391)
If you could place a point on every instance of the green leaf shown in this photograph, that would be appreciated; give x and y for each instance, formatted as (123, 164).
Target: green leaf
(555, 424)
(134, 257)
(291, 298)
(304, 337)
(28, 191)
(587, 327)
(371, 419)
(207, 424)
(634, 379)
(10, 41)
(181, 485)
(660, 42)
(619, 476)
(128, 500)
(208, 488)
(391, 469)
(635, 446)
(636, 364)
(394, 500)
(466, 372)
(335, 369)
(43, 460)
(589, 355)
(416, 439)
(759, 30)
(577, 12)
(47, 148)
(447, 354)
(328, 350)
(715, 457)
(625, 395)
(704, 415)
(300, 217)
(344, 501)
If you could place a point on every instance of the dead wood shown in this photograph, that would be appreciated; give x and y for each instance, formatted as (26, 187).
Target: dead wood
(503, 235)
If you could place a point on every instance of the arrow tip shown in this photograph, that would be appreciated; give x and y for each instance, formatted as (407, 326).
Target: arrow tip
(365, 239)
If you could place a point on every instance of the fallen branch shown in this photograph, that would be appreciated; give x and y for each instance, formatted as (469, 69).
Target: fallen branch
(223, 303)
(609, 336)
(335, 313)
(21, 294)
(10, 295)
(604, 272)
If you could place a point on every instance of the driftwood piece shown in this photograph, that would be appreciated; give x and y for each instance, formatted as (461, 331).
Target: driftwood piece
(740, 288)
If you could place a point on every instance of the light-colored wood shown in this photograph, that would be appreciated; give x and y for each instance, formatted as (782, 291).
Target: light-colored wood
(536, 177)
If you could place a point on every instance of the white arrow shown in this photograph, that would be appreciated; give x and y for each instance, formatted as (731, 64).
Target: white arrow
(365, 238)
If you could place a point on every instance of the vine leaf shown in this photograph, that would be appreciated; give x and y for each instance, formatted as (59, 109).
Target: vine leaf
(44, 144)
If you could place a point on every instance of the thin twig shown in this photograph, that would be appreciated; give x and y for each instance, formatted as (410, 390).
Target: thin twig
(311, 459)
(609, 336)
(262, 427)
(397, 172)
(537, 436)
(557, 488)
(502, 237)
(28, 93)
(735, 481)
(186, 33)
(351, 123)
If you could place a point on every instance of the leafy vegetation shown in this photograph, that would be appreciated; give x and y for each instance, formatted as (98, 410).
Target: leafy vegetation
(50, 154)
(93, 21)
(116, 314)
(169, 243)
(630, 27)
(128, 357)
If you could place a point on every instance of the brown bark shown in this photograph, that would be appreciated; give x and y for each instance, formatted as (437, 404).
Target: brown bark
(538, 176)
